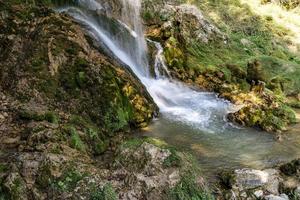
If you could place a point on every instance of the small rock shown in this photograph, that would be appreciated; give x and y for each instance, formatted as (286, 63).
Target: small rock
(273, 197)
(258, 193)
(246, 179)
(250, 178)
(11, 37)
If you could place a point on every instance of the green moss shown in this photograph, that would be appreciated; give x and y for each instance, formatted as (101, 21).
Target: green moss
(188, 189)
(16, 190)
(3, 168)
(132, 143)
(56, 149)
(236, 71)
(256, 118)
(76, 141)
(43, 116)
(107, 192)
(173, 54)
(260, 35)
(271, 123)
(286, 113)
(100, 146)
(69, 180)
(147, 15)
(44, 178)
(81, 79)
(51, 117)
(94, 137)
(38, 64)
(173, 160)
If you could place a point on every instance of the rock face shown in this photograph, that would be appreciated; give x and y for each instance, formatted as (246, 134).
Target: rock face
(192, 25)
(147, 176)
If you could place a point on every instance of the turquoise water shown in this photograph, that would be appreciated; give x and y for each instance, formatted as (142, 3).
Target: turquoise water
(230, 147)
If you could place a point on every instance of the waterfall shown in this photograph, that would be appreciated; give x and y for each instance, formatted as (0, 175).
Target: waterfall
(126, 41)
(160, 68)
(131, 17)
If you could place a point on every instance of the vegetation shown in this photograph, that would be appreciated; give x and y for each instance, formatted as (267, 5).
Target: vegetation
(253, 33)
(107, 192)
(76, 141)
(69, 180)
(173, 160)
(49, 116)
(188, 189)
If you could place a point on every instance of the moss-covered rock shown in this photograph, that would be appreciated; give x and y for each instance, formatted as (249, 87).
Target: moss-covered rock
(65, 102)
(173, 54)
(273, 117)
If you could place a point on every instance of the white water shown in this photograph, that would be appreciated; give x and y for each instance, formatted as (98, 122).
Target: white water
(176, 101)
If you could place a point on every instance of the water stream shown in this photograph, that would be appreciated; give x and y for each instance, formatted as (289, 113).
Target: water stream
(192, 120)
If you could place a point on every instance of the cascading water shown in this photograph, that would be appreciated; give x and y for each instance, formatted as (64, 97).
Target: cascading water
(160, 68)
(190, 119)
(175, 100)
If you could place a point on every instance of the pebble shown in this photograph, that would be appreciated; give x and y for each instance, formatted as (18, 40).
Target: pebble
(258, 193)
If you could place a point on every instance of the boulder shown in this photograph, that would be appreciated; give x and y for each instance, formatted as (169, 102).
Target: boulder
(273, 197)
(250, 179)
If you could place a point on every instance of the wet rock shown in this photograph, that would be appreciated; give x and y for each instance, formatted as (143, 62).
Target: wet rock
(273, 197)
(192, 20)
(250, 179)
(251, 183)
(147, 175)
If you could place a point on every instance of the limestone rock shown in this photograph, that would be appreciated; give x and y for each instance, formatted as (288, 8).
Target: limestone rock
(273, 197)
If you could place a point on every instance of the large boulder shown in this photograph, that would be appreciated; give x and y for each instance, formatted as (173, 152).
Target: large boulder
(183, 20)
(246, 179)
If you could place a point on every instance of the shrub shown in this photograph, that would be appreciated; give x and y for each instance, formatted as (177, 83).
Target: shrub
(107, 192)
(76, 141)
(188, 189)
